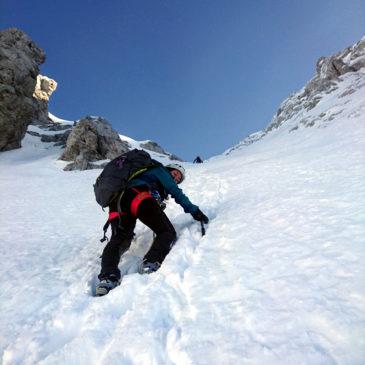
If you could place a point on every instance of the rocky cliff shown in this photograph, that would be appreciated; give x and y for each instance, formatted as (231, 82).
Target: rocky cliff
(20, 58)
(337, 77)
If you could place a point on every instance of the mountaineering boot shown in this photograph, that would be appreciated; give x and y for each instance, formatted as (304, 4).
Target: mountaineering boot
(148, 267)
(106, 285)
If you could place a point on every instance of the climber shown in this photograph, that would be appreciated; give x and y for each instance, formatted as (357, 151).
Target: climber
(198, 160)
(144, 200)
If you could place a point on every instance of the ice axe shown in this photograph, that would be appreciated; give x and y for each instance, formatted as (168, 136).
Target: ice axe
(202, 227)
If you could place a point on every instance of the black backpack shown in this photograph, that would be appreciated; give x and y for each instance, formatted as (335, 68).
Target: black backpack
(116, 175)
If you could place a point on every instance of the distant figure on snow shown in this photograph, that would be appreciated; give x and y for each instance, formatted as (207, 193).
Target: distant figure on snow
(198, 160)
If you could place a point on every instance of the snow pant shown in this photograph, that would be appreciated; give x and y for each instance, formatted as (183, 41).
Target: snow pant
(149, 213)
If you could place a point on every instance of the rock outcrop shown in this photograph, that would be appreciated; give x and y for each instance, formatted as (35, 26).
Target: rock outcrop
(91, 140)
(44, 87)
(20, 58)
(155, 147)
(43, 90)
(59, 139)
(331, 72)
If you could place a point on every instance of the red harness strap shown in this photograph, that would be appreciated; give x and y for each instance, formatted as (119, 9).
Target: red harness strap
(113, 215)
(138, 199)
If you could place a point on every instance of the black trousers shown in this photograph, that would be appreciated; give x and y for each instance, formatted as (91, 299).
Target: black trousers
(149, 213)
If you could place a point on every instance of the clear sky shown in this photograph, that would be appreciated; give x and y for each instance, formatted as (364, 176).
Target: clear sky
(195, 76)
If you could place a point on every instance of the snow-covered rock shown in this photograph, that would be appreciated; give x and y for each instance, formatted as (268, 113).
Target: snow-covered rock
(92, 139)
(323, 99)
(88, 141)
(155, 147)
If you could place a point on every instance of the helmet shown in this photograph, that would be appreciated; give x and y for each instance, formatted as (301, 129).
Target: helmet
(175, 166)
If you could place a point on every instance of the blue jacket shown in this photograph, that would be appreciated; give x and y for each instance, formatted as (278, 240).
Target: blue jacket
(159, 179)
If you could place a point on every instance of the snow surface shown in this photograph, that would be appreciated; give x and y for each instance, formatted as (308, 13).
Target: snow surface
(59, 120)
(277, 279)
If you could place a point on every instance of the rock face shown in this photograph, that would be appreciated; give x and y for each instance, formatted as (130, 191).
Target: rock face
(298, 110)
(20, 58)
(44, 87)
(92, 139)
(43, 90)
(155, 147)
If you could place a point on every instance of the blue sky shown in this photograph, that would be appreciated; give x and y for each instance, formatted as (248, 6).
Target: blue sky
(194, 76)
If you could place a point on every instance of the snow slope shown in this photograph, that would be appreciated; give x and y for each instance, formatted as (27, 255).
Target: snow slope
(277, 279)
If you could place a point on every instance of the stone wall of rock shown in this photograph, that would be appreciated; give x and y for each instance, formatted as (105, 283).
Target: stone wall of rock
(20, 58)
(92, 139)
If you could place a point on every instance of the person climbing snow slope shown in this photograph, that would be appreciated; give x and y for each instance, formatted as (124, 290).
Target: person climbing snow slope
(144, 200)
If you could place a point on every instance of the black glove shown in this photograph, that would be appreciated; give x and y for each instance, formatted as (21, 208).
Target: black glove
(200, 216)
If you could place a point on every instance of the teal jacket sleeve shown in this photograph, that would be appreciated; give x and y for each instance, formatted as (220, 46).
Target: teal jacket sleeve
(172, 188)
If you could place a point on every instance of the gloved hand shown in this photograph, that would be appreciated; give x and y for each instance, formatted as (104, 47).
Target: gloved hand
(200, 216)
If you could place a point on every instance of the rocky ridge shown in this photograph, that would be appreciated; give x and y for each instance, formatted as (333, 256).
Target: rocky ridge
(90, 142)
(20, 58)
(302, 109)
(155, 147)
(93, 141)
(24, 96)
